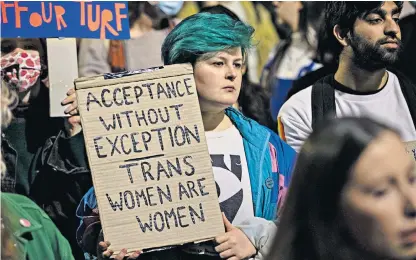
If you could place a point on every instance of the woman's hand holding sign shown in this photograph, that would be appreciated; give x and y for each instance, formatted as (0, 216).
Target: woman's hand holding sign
(73, 123)
(107, 253)
(234, 244)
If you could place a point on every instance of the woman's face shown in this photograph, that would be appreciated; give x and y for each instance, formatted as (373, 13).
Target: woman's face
(21, 61)
(379, 200)
(218, 80)
(30, 46)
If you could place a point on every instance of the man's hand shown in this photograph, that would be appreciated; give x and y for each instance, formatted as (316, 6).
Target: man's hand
(107, 253)
(234, 244)
(73, 123)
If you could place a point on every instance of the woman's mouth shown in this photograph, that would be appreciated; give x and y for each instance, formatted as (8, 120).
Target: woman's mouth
(409, 235)
(229, 88)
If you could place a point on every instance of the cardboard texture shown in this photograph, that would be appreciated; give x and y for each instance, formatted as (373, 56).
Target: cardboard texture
(411, 148)
(150, 164)
(63, 70)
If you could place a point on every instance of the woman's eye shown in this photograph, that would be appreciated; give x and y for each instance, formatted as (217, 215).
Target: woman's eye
(30, 46)
(412, 179)
(238, 65)
(379, 193)
(219, 63)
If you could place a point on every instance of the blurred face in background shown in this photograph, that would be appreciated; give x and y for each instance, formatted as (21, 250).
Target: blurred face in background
(288, 13)
(153, 14)
(379, 200)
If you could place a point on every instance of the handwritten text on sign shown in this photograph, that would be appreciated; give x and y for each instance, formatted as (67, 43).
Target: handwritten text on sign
(151, 168)
(73, 19)
(411, 148)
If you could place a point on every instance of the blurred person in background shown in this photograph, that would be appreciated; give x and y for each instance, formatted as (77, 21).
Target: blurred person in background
(257, 15)
(409, 8)
(150, 22)
(294, 56)
(45, 156)
(325, 57)
(23, 67)
(354, 187)
(254, 102)
(26, 231)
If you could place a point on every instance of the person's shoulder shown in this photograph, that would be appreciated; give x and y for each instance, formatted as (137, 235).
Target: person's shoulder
(299, 103)
(23, 204)
(393, 73)
(280, 145)
(18, 199)
(255, 126)
(158, 34)
(395, 76)
(400, 81)
(43, 229)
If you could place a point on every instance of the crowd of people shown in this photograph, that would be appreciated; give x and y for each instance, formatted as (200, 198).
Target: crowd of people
(312, 102)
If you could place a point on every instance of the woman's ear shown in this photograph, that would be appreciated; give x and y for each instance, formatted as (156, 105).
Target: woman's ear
(340, 35)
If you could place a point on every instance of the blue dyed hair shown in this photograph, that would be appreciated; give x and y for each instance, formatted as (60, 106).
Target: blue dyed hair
(204, 33)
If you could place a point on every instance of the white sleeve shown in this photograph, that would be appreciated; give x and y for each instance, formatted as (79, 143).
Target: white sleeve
(295, 133)
(295, 119)
(93, 57)
(261, 233)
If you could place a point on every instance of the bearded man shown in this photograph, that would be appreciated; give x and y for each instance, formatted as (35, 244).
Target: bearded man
(367, 39)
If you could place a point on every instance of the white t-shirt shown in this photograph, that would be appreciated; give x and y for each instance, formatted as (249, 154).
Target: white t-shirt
(231, 176)
(230, 169)
(388, 105)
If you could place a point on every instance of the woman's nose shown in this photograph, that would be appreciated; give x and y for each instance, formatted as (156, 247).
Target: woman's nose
(410, 208)
(231, 73)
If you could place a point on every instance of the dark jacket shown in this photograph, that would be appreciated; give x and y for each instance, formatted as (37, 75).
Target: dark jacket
(62, 180)
(407, 60)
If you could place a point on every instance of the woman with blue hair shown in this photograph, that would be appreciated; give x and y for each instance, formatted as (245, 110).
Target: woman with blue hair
(251, 164)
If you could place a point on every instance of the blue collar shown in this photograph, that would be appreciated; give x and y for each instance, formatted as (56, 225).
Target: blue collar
(251, 131)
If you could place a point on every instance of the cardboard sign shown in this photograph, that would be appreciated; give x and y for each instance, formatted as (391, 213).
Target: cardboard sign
(148, 155)
(411, 148)
(62, 72)
(74, 19)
